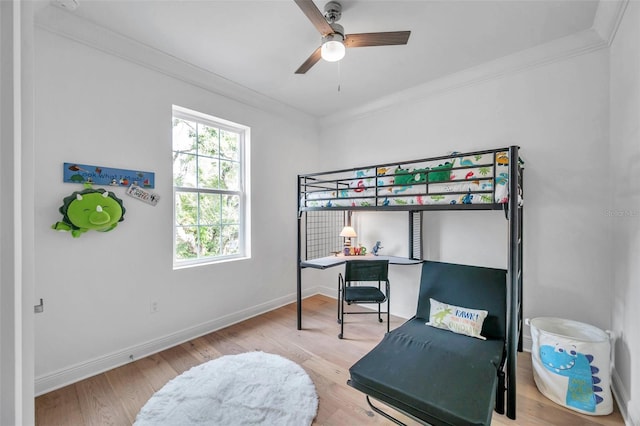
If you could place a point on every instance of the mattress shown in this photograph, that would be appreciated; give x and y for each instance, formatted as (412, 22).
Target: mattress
(459, 179)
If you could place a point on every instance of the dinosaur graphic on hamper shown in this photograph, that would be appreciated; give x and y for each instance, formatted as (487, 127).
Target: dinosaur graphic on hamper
(583, 383)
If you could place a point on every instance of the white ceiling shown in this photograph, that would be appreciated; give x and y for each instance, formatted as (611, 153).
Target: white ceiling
(258, 44)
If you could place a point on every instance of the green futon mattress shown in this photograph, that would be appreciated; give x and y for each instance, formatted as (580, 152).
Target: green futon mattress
(435, 375)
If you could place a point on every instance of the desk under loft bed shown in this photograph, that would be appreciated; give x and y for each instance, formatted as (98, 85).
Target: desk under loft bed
(481, 180)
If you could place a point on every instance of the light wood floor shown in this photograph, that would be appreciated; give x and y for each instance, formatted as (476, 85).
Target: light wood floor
(115, 397)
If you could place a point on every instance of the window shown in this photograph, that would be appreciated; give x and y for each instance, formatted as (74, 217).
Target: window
(210, 162)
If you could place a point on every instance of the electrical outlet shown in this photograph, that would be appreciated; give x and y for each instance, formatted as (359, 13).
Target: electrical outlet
(153, 308)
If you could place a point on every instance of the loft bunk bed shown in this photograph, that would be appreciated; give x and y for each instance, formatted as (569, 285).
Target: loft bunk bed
(480, 180)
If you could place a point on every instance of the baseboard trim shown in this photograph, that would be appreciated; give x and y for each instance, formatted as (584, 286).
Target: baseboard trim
(74, 373)
(621, 397)
(527, 343)
(326, 291)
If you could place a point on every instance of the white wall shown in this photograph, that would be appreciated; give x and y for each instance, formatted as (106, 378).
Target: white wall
(558, 115)
(394, 237)
(9, 235)
(625, 206)
(94, 108)
(16, 213)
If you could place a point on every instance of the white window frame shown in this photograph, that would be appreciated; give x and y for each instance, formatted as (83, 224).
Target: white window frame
(244, 231)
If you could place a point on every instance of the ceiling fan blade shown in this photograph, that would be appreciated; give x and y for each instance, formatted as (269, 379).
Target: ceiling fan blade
(377, 39)
(311, 61)
(315, 16)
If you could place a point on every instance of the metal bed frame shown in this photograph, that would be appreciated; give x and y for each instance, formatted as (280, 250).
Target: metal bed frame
(336, 180)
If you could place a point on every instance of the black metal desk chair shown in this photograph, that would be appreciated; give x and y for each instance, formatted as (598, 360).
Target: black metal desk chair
(360, 271)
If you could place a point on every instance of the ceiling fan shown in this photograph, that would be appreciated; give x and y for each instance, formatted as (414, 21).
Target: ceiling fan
(334, 40)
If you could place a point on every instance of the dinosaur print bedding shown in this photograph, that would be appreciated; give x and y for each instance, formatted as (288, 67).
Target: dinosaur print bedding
(479, 178)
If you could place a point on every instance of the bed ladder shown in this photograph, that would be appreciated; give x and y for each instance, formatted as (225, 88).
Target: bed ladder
(514, 279)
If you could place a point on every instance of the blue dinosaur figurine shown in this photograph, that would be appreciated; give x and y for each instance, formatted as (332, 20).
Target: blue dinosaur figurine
(376, 248)
(582, 388)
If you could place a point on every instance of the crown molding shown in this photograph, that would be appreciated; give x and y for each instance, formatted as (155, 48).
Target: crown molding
(70, 26)
(608, 17)
(600, 35)
(557, 50)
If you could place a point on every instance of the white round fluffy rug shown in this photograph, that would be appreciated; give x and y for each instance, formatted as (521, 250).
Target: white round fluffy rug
(253, 388)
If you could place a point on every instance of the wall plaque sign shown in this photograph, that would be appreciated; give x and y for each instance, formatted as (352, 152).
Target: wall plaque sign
(98, 175)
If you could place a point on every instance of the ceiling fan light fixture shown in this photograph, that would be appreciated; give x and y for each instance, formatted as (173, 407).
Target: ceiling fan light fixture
(332, 48)
(333, 45)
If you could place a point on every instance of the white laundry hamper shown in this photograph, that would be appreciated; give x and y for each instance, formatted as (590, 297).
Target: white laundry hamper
(571, 364)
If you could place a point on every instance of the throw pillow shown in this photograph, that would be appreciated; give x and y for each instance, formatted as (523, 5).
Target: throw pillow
(457, 319)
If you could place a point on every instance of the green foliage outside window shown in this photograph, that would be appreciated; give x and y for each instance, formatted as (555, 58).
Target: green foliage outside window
(208, 190)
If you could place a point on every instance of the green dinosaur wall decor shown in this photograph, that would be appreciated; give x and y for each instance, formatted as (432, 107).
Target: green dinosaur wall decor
(90, 209)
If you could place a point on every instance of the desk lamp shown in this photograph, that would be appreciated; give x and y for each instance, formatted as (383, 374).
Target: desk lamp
(348, 232)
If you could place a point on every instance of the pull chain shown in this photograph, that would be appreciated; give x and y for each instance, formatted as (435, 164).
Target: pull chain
(339, 74)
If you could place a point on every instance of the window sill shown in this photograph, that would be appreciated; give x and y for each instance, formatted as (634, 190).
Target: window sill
(207, 262)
